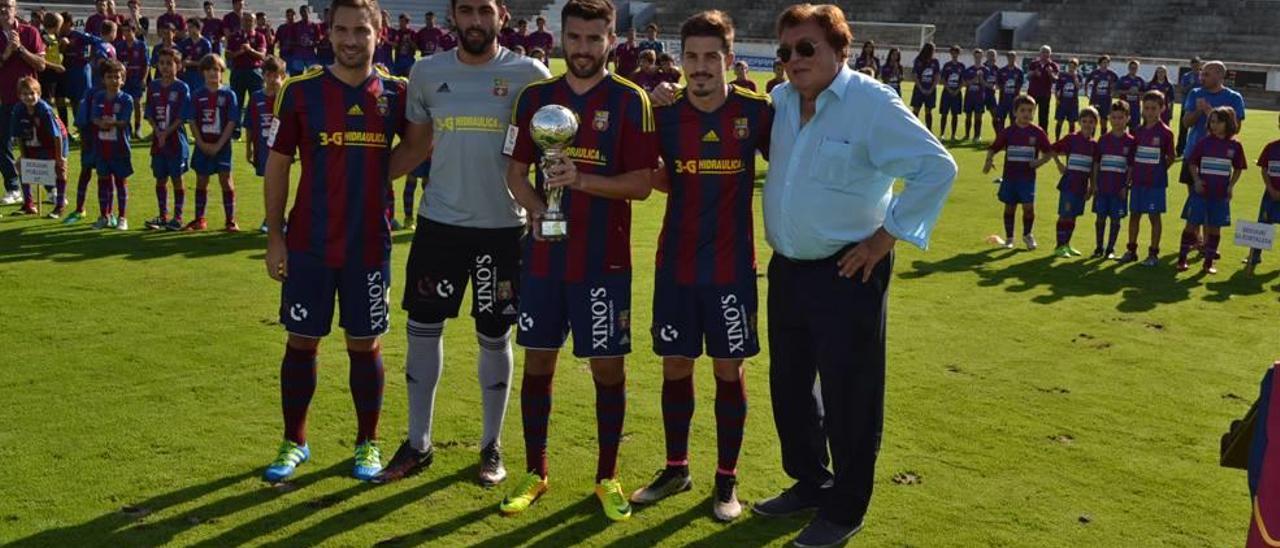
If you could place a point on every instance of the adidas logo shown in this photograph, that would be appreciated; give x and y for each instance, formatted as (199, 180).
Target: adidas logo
(711, 137)
(444, 88)
(355, 111)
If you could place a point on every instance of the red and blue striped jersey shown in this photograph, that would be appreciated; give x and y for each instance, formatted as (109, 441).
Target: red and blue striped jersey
(710, 158)
(211, 109)
(1217, 157)
(38, 131)
(616, 135)
(257, 119)
(1133, 86)
(134, 58)
(165, 107)
(111, 144)
(1152, 155)
(1080, 152)
(1102, 82)
(1113, 162)
(342, 135)
(1269, 161)
(1021, 146)
(1011, 80)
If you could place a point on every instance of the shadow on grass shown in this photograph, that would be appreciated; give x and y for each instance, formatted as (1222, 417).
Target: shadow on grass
(130, 526)
(40, 239)
(1139, 288)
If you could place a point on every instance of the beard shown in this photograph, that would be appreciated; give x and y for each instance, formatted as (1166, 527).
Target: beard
(353, 60)
(592, 69)
(478, 45)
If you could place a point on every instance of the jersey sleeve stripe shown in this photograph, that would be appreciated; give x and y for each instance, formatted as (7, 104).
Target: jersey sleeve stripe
(647, 124)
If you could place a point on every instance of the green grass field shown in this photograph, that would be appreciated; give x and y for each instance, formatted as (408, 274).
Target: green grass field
(1031, 401)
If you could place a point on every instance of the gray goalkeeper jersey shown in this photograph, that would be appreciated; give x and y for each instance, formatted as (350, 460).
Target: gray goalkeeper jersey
(470, 107)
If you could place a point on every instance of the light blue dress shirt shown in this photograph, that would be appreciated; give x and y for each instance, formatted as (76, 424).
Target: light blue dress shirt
(830, 181)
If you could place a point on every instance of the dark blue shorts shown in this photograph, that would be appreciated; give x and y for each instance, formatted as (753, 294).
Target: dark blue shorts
(1004, 108)
(724, 316)
(1067, 109)
(1070, 204)
(974, 102)
(1103, 107)
(991, 102)
(597, 312)
(306, 303)
(135, 90)
(88, 160)
(1017, 192)
(164, 166)
(1110, 205)
(76, 82)
(1270, 211)
(1146, 200)
(120, 167)
(952, 103)
(1202, 211)
(926, 99)
(203, 164)
(423, 170)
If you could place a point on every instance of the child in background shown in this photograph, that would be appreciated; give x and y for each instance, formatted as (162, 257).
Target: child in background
(213, 115)
(646, 75)
(891, 70)
(1068, 94)
(258, 117)
(193, 48)
(1269, 212)
(1215, 165)
(741, 78)
(1011, 79)
(1151, 157)
(1131, 87)
(41, 136)
(167, 99)
(110, 110)
(779, 76)
(1026, 148)
(132, 52)
(87, 159)
(975, 98)
(925, 93)
(1111, 179)
(1076, 186)
(1102, 82)
(667, 69)
(952, 82)
(1160, 82)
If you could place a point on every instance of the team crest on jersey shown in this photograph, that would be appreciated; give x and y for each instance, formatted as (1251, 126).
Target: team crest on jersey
(505, 293)
(1032, 141)
(741, 128)
(601, 121)
(1231, 153)
(500, 88)
(1156, 141)
(383, 107)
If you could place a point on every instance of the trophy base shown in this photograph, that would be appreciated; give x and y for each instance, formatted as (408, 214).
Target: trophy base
(554, 229)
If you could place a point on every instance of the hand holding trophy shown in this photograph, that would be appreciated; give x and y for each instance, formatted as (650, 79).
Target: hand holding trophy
(553, 128)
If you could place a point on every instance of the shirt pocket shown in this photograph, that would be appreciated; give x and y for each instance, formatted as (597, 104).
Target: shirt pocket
(831, 162)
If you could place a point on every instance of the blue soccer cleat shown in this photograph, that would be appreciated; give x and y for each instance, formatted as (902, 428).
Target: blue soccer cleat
(290, 456)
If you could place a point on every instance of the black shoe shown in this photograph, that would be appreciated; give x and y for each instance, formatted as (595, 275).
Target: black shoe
(797, 498)
(406, 462)
(666, 482)
(492, 472)
(821, 532)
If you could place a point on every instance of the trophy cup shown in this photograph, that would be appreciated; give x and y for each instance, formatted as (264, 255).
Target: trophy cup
(553, 128)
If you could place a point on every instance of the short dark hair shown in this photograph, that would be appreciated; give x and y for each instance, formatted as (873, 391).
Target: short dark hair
(371, 6)
(588, 10)
(272, 64)
(211, 61)
(1120, 105)
(1104, 59)
(710, 24)
(162, 53)
(1023, 99)
(1153, 95)
(112, 66)
(1089, 111)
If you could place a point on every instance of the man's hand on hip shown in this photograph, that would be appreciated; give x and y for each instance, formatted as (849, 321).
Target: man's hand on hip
(866, 255)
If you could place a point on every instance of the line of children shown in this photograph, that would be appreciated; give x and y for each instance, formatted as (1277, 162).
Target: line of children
(1026, 148)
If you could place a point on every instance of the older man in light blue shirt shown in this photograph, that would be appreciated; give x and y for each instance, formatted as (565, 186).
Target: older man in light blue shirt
(839, 141)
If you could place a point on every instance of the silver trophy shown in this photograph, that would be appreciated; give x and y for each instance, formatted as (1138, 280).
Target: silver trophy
(553, 128)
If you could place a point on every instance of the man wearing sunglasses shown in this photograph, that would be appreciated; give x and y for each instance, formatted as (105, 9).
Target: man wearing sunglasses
(838, 142)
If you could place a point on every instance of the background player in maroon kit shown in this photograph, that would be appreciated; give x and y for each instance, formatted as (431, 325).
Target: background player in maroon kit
(705, 287)
(1026, 148)
(582, 284)
(952, 101)
(340, 120)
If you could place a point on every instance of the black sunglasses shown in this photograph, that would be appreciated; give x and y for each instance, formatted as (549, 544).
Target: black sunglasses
(804, 48)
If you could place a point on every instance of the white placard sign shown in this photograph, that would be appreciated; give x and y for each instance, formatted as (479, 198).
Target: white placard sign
(1255, 235)
(38, 172)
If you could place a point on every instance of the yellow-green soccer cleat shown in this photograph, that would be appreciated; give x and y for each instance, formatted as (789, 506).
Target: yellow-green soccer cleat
(615, 504)
(528, 491)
